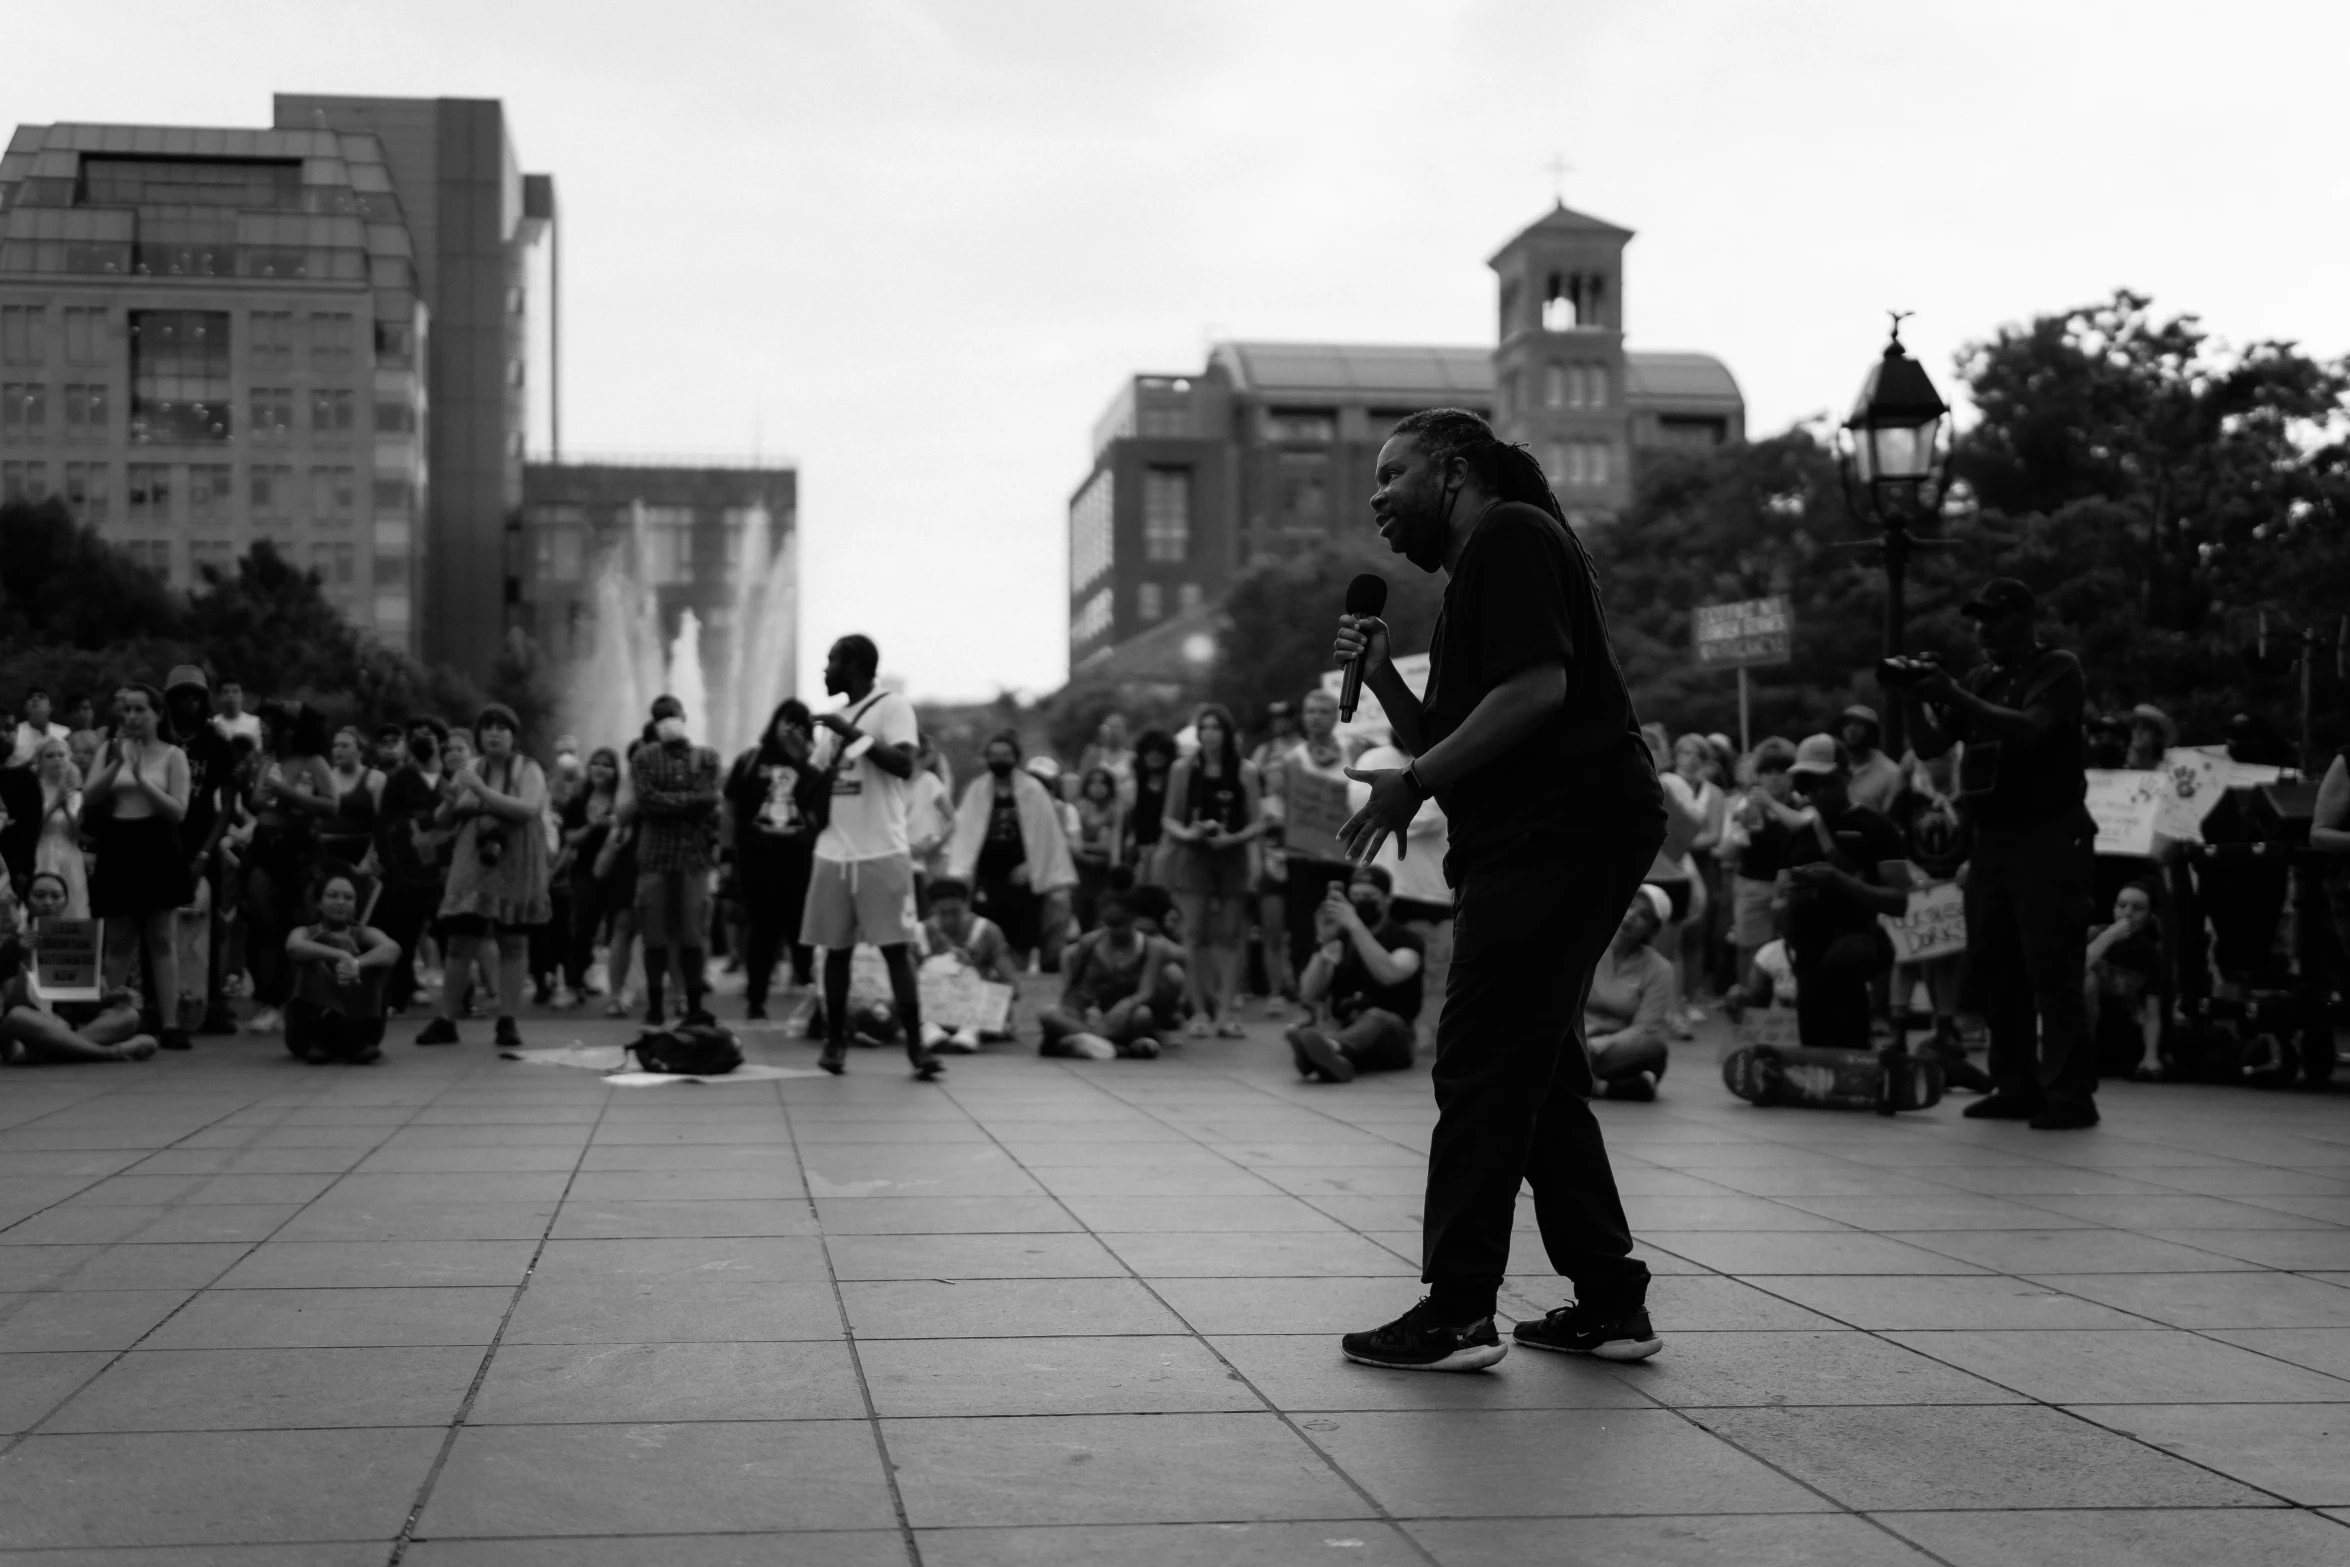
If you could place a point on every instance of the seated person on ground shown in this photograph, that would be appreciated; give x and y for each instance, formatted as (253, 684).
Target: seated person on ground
(1770, 981)
(1108, 977)
(2124, 983)
(1155, 917)
(1367, 975)
(336, 1010)
(33, 1030)
(954, 935)
(1627, 1019)
(1849, 867)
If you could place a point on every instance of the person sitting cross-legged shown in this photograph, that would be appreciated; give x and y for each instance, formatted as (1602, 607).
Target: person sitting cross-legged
(1367, 975)
(955, 934)
(1850, 867)
(1107, 976)
(1627, 1016)
(33, 1030)
(336, 1012)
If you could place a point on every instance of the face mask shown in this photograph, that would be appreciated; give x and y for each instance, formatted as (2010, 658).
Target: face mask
(999, 767)
(1369, 909)
(670, 730)
(423, 748)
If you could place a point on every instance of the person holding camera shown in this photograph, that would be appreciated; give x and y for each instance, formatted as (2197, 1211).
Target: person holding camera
(497, 886)
(1367, 971)
(2022, 790)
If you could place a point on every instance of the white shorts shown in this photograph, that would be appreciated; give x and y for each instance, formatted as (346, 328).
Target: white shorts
(852, 901)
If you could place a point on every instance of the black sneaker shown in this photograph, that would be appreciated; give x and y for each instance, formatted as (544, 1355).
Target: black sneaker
(173, 1039)
(755, 1012)
(2001, 1107)
(440, 1031)
(2063, 1118)
(927, 1066)
(835, 1059)
(1313, 1046)
(1573, 1330)
(509, 1035)
(1417, 1341)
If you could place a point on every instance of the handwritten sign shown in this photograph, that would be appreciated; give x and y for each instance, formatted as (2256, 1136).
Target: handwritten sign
(2189, 785)
(1744, 634)
(2123, 802)
(954, 996)
(1934, 926)
(65, 960)
(1314, 807)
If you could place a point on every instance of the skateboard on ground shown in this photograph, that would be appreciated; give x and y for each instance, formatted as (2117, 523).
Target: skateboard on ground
(1832, 1079)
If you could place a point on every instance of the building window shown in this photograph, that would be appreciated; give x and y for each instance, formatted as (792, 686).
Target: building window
(394, 496)
(668, 544)
(395, 345)
(1595, 379)
(24, 335)
(1149, 602)
(85, 335)
(272, 345)
(1093, 620)
(336, 565)
(85, 413)
(1556, 387)
(1092, 546)
(86, 491)
(1166, 514)
(561, 553)
(330, 343)
(1304, 490)
(1599, 462)
(1554, 461)
(1316, 425)
(211, 560)
(330, 413)
(24, 411)
(395, 418)
(273, 492)
(211, 491)
(150, 492)
(154, 554)
(273, 412)
(1187, 597)
(334, 494)
(24, 481)
(179, 375)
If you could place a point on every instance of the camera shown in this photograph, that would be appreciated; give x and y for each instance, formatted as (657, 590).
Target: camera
(489, 845)
(1895, 673)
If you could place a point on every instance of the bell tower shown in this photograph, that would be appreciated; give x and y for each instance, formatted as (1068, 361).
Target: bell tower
(1559, 368)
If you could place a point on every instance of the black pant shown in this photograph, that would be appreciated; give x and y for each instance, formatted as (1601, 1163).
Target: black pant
(774, 889)
(1512, 1078)
(402, 913)
(1833, 997)
(2027, 931)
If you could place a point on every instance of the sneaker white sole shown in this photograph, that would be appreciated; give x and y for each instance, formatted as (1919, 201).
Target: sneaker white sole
(1624, 1349)
(1475, 1358)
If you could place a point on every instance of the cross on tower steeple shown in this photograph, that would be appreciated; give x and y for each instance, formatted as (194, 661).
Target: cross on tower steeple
(1559, 169)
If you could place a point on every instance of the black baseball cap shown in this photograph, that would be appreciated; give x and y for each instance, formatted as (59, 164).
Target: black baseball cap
(2000, 596)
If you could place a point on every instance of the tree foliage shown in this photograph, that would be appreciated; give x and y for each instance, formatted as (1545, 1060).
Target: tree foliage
(1281, 614)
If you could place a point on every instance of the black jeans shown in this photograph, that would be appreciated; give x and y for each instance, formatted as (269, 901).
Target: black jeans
(2027, 925)
(1832, 988)
(1512, 1078)
(774, 889)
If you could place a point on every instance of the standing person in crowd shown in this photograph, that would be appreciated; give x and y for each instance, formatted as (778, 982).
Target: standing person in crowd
(1874, 778)
(20, 825)
(1099, 845)
(31, 1028)
(1281, 736)
(675, 788)
(1214, 812)
(1368, 974)
(955, 933)
(291, 799)
(34, 730)
(497, 888)
(81, 716)
(231, 719)
(1627, 1016)
(1693, 780)
(1528, 739)
(1847, 868)
(1110, 752)
(930, 816)
(1154, 764)
(358, 787)
(2152, 737)
(1926, 815)
(59, 849)
(391, 749)
(1673, 870)
(1759, 824)
(213, 805)
(774, 850)
(2022, 791)
(412, 848)
(1297, 879)
(1009, 847)
(861, 887)
(138, 795)
(336, 1011)
(596, 899)
(1107, 986)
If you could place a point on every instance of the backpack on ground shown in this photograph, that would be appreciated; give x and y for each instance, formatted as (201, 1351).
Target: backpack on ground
(689, 1050)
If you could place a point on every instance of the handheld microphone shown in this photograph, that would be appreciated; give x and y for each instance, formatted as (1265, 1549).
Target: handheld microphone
(1366, 595)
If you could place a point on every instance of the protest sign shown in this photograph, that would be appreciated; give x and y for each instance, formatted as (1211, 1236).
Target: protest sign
(65, 960)
(2189, 785)
(1744, 634)
(954, 996)
(2123, 803)
(1933, 926)
(1314, 807)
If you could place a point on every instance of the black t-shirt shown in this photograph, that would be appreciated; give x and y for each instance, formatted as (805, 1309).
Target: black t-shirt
(1218, 799)
(1352, 989)
(1003, 849)
(2138, 954)
(1765, 854)
(766, 815)
(1818, 915)
(1524, 593)
(212, 770)
(2012, 781)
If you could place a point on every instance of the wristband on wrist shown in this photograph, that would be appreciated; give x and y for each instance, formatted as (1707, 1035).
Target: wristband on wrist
(1411, 776)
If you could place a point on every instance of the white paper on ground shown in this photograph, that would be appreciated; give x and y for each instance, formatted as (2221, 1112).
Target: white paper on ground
(609, 1059)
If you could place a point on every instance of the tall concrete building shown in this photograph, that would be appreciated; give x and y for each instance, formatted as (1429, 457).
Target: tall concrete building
(214, 337)
(1269, 448)
(313, 334)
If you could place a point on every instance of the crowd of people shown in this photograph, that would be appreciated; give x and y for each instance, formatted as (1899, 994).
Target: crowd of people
(321, 883)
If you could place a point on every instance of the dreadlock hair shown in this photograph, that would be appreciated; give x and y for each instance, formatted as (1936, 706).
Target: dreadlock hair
(1509, 472)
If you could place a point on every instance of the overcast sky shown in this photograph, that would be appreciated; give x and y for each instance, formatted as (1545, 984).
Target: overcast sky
(916, 246)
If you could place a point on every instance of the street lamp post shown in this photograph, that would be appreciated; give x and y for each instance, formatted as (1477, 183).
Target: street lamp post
(1895, 464)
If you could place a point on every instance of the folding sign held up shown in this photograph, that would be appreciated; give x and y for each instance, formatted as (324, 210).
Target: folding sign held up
(1744, 635)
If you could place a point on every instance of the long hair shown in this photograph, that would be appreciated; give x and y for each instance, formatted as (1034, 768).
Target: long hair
(1508, 472)
(791, 710)
(1228, 759)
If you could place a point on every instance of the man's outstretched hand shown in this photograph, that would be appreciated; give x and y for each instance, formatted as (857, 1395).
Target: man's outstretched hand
(1387, 814)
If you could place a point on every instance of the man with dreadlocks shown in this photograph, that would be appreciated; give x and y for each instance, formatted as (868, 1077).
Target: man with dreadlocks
(1528, 740)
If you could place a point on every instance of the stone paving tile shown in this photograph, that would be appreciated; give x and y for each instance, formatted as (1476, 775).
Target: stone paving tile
(2320, 1349)
(942, 1215)
(272, 1389)
(1886, 1302)
(1750, 1368)
(2092, 1365)
(189, 1266)
(2169, 1537)
(342, 1264)
(1804, 1540)
(1360, 1542)
(1004, 1308)
(680, 1218)
(1255, 1254)
(936, 1257)
(33, 1384)
(229, 1487)
(2303, 1250)
(2038, 1251)
(1304, 1372)
(1051, 1376)
(88, 1319)
(106, 1224)
(487, 1220)
(2300, 1452)
(830, 1548)
(333, 1318)
(2214, 1300)
(1112, 1469)
(548, 1384)
(1805, 1251)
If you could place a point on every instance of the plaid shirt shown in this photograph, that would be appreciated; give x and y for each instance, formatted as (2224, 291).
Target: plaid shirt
(676, 797)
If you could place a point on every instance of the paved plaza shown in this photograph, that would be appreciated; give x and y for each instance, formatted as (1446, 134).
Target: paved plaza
(453, 1309)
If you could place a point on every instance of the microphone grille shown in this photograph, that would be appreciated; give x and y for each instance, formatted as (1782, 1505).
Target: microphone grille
(1367, 594)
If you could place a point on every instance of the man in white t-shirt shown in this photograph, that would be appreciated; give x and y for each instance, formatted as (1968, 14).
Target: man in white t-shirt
(35, 732)
(232, 720)
(861, 887)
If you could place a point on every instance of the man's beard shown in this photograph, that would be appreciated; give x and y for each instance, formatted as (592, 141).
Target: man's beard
(1422, 544)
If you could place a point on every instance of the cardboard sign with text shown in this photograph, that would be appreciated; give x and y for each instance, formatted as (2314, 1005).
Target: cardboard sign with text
(1934, 925)
(65, 960)
(1744, 634)
(1314, 807)
(2124, 803)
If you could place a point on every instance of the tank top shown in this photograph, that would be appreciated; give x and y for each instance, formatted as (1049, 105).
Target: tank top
(1216, 799)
